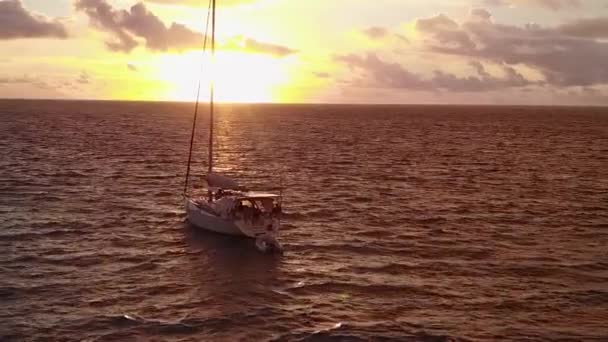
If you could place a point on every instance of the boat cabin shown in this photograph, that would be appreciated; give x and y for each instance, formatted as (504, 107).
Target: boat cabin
(246, 205)
(264, 202)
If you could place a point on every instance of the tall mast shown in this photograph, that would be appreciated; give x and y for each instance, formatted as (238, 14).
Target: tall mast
(211, 98)
(211, 101)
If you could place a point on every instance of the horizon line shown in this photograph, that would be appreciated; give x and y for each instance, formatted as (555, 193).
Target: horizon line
(309, 103)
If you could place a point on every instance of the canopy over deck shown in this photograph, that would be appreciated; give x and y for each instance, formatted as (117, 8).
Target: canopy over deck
(257, 195)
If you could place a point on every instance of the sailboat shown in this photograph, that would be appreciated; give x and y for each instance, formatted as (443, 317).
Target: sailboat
(227, 207)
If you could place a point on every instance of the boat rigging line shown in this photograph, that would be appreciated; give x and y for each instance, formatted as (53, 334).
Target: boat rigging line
(198, 94)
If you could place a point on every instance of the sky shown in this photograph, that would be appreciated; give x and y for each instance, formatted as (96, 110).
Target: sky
(530, 52)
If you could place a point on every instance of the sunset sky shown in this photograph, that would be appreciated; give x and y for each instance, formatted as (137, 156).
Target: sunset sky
(334, 51)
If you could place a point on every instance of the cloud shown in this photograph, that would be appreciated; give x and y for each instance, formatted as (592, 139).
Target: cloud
(138, 23)
(255, 46)
(8, 80)
(586, 28)
(83, 78)
(25, 86)
(446, 31)
(16, 22)
(382, 34)
(131, 67)
(47, 84)
(481, 14)
(380, 73)
(376, 72)
(557, 53)
(242, 43)
(375, 32)
(24, 80)
(548, 4)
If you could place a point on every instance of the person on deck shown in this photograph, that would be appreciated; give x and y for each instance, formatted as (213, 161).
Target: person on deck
(277, 209)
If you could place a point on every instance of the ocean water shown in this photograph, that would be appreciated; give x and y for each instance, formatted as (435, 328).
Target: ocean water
(404, 223)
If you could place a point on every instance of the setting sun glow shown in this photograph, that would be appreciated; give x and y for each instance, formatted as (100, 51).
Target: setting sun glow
(239, 76)
(313, 51)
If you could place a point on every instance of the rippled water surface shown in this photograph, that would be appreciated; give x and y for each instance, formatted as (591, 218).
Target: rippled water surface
(403, 223)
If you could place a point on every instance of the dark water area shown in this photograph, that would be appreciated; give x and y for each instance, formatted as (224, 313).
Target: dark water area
(403, 223)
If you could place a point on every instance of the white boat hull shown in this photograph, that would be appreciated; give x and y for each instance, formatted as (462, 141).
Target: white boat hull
(204, 220)
(202, 217)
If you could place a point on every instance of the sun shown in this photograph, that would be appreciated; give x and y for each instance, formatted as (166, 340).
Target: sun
(239, 76)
